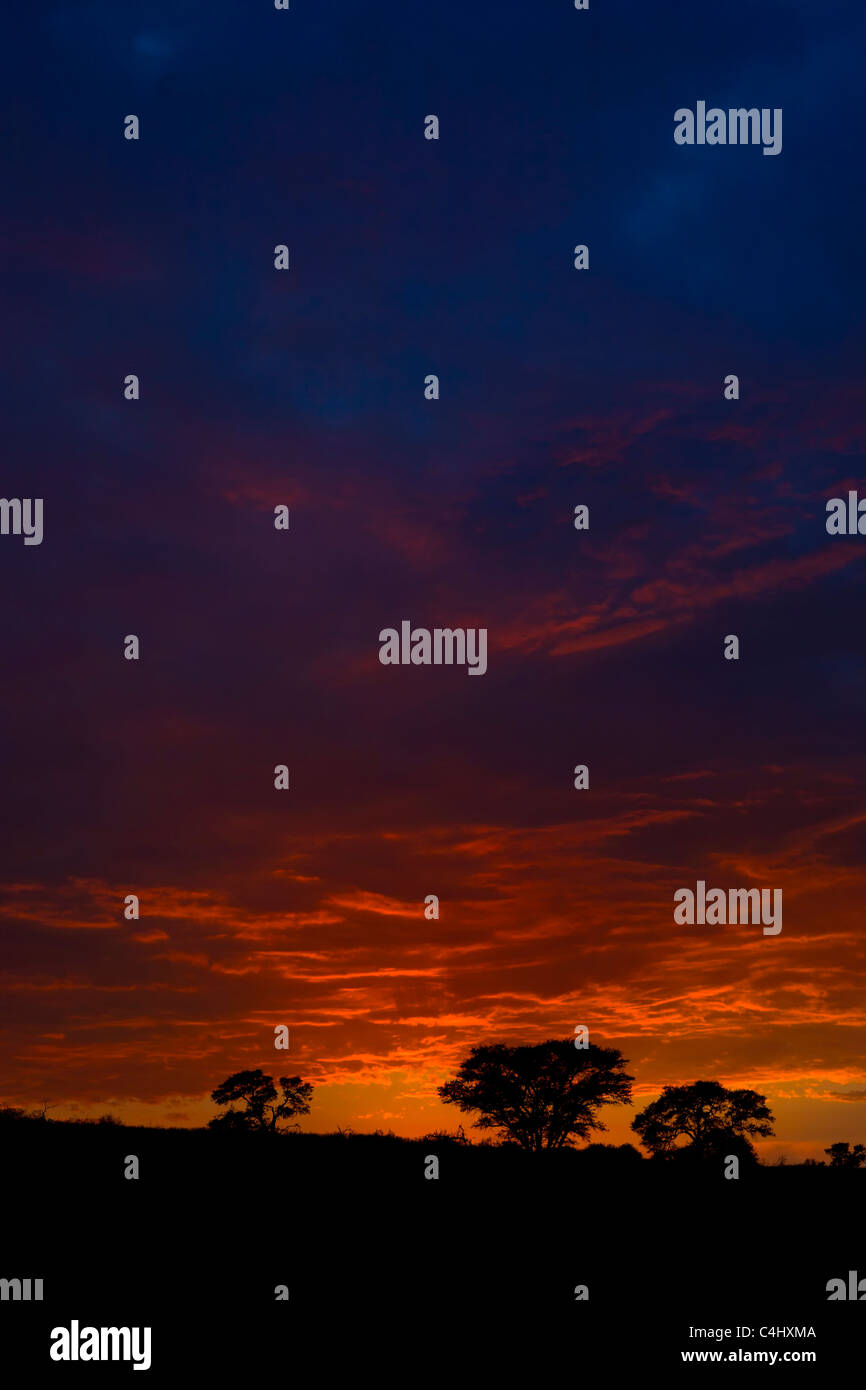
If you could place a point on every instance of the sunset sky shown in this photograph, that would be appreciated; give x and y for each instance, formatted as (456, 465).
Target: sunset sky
(260, 647)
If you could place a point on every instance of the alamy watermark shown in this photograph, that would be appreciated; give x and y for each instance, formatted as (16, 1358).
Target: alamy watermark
(21, 1290)
(102, 1344)
(739, 906)
(736, 126)
(22, 515)
(443, 646)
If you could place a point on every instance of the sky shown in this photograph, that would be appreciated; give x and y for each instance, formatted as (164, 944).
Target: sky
(260, 647)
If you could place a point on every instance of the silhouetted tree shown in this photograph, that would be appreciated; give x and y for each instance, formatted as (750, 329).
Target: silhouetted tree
(704, 1118)
(541, 1096)
(841, 1155)
(258, 1093)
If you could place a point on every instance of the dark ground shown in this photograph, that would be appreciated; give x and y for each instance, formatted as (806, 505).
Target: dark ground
(410, 1280)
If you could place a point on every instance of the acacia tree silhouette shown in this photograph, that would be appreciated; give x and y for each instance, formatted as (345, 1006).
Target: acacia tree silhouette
(259, 1094)
(541, 1096)
(706, 1116)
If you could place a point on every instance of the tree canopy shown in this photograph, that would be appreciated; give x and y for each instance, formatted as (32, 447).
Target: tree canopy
(841, 1155)
(703, 1117)
(257, 1092)
(541, 1096)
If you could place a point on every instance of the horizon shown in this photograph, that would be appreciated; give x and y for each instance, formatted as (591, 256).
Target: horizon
(617, 1119)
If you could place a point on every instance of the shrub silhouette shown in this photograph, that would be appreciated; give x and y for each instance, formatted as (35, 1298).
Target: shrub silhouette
(542, 1096)
(12, 1114)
